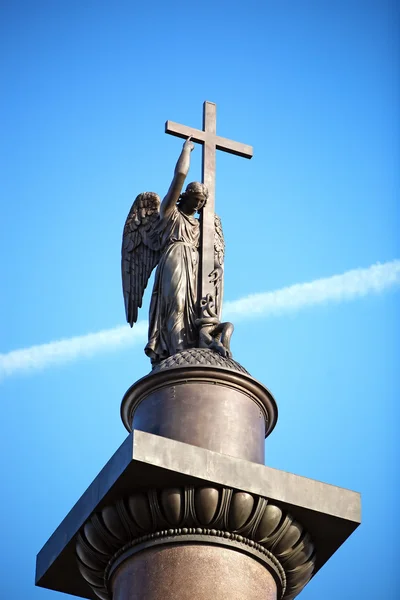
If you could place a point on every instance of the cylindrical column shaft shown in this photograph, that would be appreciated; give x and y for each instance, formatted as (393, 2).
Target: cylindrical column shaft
(218, 409)
(192, 572)
(215, 417)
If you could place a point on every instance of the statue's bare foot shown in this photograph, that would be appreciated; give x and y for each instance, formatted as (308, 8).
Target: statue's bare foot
(218, 347)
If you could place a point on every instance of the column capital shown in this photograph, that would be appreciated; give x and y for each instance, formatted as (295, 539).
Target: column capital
(177, 516)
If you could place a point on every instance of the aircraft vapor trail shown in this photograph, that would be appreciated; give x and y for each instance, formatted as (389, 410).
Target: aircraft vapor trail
(337, 288)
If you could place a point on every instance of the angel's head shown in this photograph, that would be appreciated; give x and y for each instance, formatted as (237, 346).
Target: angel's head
(193, 198)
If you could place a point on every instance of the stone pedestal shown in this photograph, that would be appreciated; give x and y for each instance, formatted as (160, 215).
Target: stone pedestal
(224, 410)
(186, 508)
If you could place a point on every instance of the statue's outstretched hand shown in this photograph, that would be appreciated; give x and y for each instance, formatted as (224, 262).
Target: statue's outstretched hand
(188, 144)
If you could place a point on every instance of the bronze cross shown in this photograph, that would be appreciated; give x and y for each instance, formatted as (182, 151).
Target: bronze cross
(211, 142)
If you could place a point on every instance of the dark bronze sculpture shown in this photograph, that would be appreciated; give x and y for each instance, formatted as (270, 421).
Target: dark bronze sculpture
(169, 235)
(186, 301)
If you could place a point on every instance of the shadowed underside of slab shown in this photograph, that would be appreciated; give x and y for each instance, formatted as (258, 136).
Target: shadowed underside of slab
(328, 513)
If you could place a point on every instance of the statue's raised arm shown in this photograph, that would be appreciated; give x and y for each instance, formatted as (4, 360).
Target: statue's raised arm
(180, 173)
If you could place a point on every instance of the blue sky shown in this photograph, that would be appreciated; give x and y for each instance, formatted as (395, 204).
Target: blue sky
(314, 87)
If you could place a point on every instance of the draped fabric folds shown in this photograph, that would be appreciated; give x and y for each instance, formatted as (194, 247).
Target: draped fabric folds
(173, 303)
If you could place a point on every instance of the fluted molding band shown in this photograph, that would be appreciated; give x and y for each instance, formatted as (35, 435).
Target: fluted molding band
(245, 522)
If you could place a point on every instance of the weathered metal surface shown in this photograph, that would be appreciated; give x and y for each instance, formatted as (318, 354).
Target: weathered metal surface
(186, 302)
(166, 234)
(199, 136)
(207, 214)
(199, 357)
(211, 142)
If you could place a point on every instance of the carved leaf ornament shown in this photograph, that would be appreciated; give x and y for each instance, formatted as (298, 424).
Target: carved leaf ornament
(177, 515)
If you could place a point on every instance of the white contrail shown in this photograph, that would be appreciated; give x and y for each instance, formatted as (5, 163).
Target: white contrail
(338, 288)
(62, 351)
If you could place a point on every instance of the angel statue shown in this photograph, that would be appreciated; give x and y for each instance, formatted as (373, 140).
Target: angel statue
(167, 234)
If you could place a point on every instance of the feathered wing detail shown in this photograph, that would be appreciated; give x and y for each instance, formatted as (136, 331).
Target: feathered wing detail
(140, 250)
(219, 254)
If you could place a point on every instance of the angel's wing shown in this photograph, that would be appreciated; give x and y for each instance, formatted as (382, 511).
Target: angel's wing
(140, 251)
(219, 254)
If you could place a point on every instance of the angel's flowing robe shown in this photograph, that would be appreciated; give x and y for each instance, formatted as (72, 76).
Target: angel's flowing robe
(173, 303)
